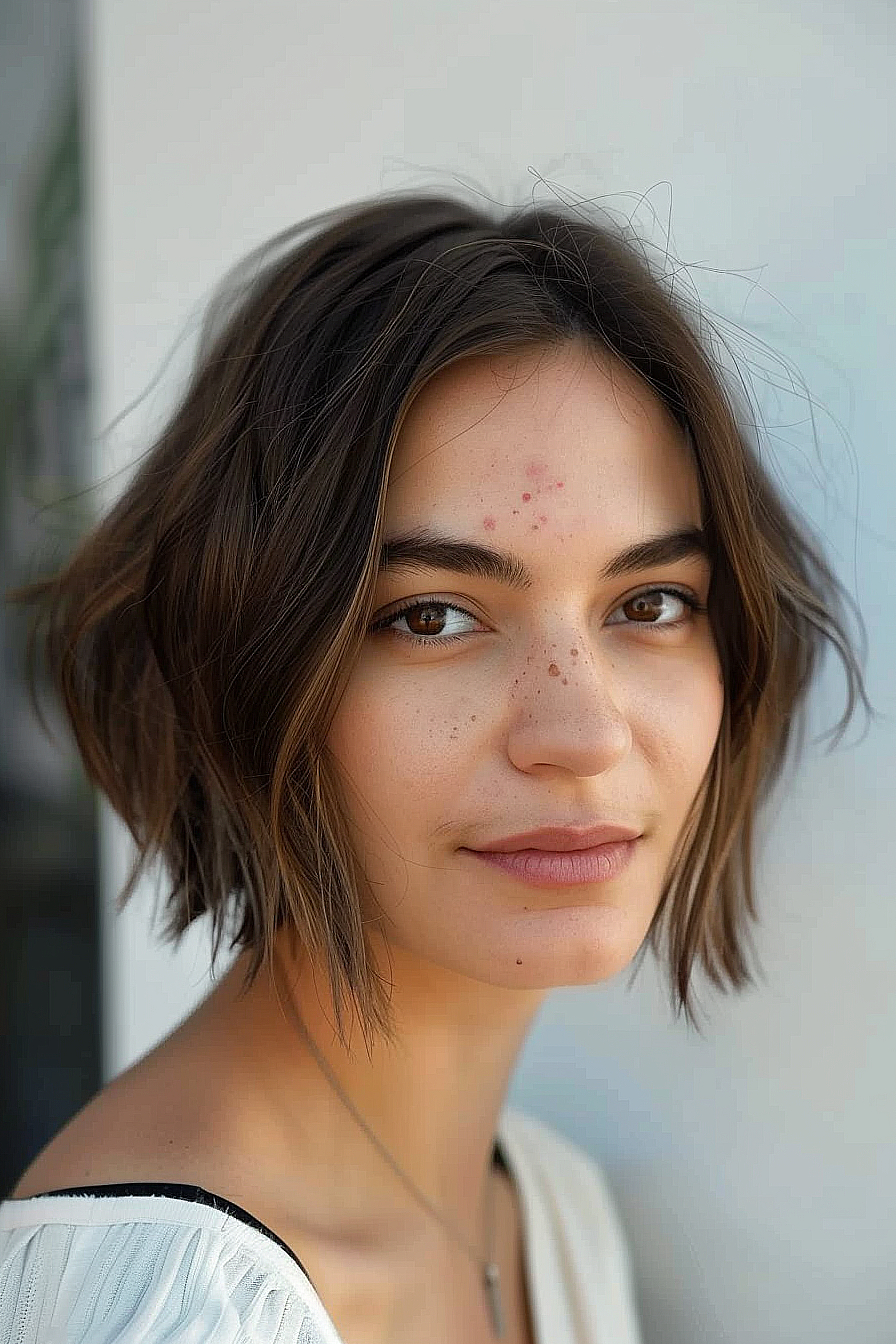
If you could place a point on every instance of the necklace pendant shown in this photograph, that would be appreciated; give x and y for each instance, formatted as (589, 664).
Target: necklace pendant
(493, 1289)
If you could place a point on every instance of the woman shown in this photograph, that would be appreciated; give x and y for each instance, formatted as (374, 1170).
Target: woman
(454, 537)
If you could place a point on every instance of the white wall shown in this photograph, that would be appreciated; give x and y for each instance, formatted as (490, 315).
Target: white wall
(753, 1167)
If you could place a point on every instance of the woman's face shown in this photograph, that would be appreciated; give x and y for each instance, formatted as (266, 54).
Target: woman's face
(563, 702)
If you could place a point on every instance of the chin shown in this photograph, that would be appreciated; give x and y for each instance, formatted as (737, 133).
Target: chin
(549, 949)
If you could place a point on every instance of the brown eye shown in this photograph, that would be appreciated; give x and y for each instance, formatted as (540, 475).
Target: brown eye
(646, 608)
(424, 621)
(426, 618)
(647, 605)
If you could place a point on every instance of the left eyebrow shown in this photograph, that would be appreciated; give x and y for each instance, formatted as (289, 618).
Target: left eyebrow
(422, 548)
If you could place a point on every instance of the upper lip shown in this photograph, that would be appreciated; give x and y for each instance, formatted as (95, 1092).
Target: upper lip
(560, 838)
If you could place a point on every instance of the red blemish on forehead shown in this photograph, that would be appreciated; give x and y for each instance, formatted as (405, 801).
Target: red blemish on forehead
(542, 517)
(527, 496)
(559, 485)
(489, 523)
(535, 469)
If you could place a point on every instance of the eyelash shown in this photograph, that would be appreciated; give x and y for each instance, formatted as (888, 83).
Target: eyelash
(438, 641)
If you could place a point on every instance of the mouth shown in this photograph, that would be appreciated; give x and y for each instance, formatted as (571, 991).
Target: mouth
(547, 868)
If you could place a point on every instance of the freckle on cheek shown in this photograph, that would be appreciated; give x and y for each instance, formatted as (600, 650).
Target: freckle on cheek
(574, 652)
(553, 670)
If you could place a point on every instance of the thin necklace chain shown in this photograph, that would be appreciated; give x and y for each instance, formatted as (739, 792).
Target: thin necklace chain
(487, 1266)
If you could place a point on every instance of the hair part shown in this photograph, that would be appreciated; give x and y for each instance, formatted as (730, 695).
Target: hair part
(201, 634)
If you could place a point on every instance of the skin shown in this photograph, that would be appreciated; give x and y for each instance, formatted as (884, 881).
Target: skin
(556, 705)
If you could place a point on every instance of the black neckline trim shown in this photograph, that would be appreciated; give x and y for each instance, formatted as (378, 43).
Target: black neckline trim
(192, 1194)
(197, 1194)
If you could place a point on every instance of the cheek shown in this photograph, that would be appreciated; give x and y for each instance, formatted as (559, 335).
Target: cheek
(399, 747)
(680, 717)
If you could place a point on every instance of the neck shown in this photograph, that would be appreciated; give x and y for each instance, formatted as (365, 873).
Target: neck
(432, 1099)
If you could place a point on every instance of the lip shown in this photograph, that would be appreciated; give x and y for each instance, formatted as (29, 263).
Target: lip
(544, 868)
(558, 839)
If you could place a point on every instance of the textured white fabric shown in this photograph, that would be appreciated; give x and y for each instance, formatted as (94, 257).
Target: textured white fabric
(87, 1269)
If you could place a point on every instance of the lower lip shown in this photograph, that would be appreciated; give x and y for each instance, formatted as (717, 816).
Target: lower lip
(541, 868)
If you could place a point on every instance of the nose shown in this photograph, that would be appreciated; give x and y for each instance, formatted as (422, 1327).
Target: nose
(568, 711)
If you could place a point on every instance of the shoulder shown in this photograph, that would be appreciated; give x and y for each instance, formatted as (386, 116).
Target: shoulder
(118, 1136)
(147, 1263)
(163, 1119)
(146, 1268)
(79, 1154)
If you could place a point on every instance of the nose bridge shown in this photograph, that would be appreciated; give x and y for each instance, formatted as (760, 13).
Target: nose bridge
(562, 645)
(570, 666)
(568, 712)
(571, 681)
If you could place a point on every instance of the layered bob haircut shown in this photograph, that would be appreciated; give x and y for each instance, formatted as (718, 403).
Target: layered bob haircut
(202, 632)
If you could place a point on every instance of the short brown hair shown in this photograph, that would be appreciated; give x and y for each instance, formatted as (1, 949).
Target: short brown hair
(201, 634)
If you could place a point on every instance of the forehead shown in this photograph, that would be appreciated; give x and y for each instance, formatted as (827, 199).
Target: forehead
(563, 425)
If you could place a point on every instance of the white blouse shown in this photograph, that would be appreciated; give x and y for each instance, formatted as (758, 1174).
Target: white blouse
(175, 1264)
